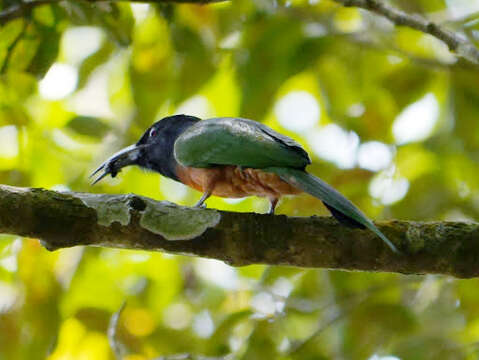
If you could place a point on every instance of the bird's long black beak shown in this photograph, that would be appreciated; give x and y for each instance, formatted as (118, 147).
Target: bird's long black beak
(124, 157)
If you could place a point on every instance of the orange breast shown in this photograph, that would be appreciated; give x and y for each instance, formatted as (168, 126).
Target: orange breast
(234, 182)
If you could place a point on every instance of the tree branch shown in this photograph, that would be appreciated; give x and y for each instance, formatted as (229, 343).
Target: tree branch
(24, 7)
(21, 9)
(456, 42)
(129, 221)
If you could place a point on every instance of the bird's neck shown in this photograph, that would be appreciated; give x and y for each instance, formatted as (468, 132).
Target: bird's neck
(160, 157)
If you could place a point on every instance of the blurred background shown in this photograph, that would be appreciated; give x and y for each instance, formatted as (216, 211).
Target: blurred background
(389, 116)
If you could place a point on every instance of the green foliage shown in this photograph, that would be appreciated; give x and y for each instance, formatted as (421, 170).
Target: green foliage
(79, 80)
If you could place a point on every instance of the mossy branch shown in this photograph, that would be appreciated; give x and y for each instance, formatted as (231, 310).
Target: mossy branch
(63, 220)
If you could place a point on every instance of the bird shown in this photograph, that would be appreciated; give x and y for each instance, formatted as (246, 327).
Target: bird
(233, 157)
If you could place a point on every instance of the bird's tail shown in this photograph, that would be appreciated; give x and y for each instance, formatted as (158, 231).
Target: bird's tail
(341, 208)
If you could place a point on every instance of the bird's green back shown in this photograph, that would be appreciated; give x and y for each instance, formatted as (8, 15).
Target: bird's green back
(240, 142)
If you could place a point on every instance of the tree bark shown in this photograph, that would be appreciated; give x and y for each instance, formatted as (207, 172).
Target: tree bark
(63, 220)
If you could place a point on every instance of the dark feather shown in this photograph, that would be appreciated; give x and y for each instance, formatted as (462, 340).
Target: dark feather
(344, 219)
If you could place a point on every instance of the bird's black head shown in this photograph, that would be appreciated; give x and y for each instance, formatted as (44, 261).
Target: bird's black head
(153, 151)
(159, 141)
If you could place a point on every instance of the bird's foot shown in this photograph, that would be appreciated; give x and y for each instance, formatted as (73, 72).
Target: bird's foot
(272, 207)
(201, 202)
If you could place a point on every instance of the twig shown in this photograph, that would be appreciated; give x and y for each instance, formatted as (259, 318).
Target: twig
(455, 42)
(24, 7)
(324, 326)
(115, 345)
(367, 39)
(349, 302)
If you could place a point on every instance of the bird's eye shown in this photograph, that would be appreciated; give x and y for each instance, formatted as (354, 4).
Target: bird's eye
(153, 132)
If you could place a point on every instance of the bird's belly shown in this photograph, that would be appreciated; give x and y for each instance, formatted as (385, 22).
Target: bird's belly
(235, 182)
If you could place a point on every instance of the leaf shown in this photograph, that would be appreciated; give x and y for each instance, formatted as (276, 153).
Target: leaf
(92, 62)
(88, 126)
(116, 19)
(264, 62)
(25, 50)
(194, 59)
(13, 115)
(47, 52)
(151, 71)
(386, 323)
(119, 23)
(261, 344)
(10, 32)
(218, 345)
(430, 348)
(16, 87)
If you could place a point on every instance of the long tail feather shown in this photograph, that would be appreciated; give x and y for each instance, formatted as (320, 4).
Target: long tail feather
(344, 219)
(350, 214)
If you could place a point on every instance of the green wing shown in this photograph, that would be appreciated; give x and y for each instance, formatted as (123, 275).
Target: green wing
(235, 141)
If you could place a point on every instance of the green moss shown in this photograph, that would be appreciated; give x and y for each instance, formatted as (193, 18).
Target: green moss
(415, 237)
(177, 223)
(108, 209)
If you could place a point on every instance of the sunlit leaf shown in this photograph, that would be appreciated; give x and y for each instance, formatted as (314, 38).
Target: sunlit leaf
(93, 61)
(88, 126)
